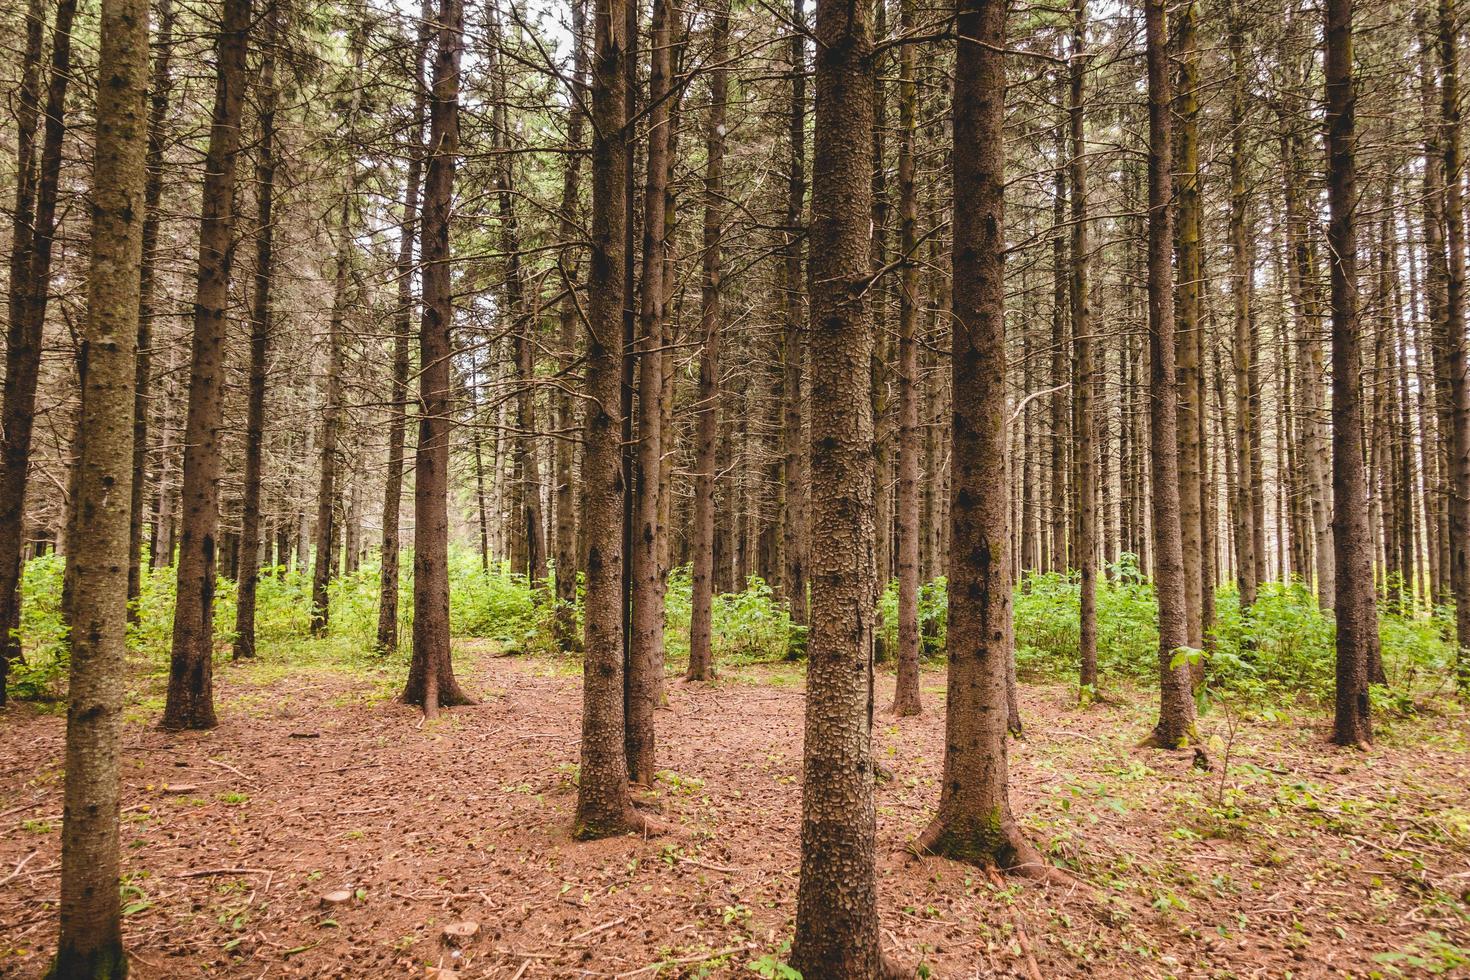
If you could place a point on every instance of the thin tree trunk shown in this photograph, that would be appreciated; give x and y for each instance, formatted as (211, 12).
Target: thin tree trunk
(1244, 342)
(1458, 360)
(162, 83)
(1190, 324)
(644, 681)
(701, 653)
(260, 329)
(1086, 559)
(327, 462)
(190, 702)
(567, 314)
(906, 691)
(30, 288)
(387, 640)
(795, 482)
(1357, 614)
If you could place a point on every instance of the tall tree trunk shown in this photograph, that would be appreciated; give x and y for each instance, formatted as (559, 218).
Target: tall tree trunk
(837, 897)
(974, 822)
(327, 452)
(701, 653)
(567, 313)
(190, 701)
(1307, 302)
(1244, 342)
(260, 329)
(906, 692)
(604, 807)
(531, 528)
(431, 682)
(1357, 614)
(387, 640)
(160, 89)
(795, 481)
(1060, 373)
(90, 944)
(1082, 341)
(1190, 324)
(1176, 702)
(30, 288)
(1458, 360)
(644, 681)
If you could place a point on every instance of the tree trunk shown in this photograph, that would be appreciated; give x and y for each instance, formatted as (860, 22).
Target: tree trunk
(974, 822)
(431, 682)
(387, 641)
(160, 88)
(1060, 373)
(1190, 324)
(1458, 360)
(906, 691)
(260, 329)
(190, 701)
(795, 482)
(30, 288)
(1357, 614)
(701, 653)
(1244, 341)
(604, 807)
(644, 681)
(327, 492)
(1086, 558)
(837, 897)
(566, 505)
(1176, 702)
(90, 943)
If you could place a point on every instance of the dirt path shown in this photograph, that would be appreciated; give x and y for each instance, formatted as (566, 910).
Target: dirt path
(1305, 860)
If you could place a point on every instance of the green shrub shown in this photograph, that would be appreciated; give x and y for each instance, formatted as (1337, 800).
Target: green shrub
(41, 673)
(752, 625)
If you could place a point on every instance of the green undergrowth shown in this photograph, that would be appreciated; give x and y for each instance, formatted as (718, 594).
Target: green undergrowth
(1277, 653)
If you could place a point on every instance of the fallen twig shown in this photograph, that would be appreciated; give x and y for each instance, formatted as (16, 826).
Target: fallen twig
(18, 868)
(211, 872)
(1033, 970)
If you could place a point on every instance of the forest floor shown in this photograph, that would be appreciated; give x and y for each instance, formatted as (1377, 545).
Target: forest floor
(1299, 860)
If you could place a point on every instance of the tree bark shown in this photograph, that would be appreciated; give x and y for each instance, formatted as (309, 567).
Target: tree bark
(701, 653)
(1190, 324)
(1086, 558)
(906, 690)
(327, 537)
(1357, 614)
(190, 702)
(1458, 360)
(567, 314)
(1176, 702)
(795, 482)
(644, 681)
(30, 288)
(90, 944)
(837, 896)
(1244, 341)
(431, 682)
(260, 330)
(387, 640)
(604, 807)
(974, 822)
(160, 88)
